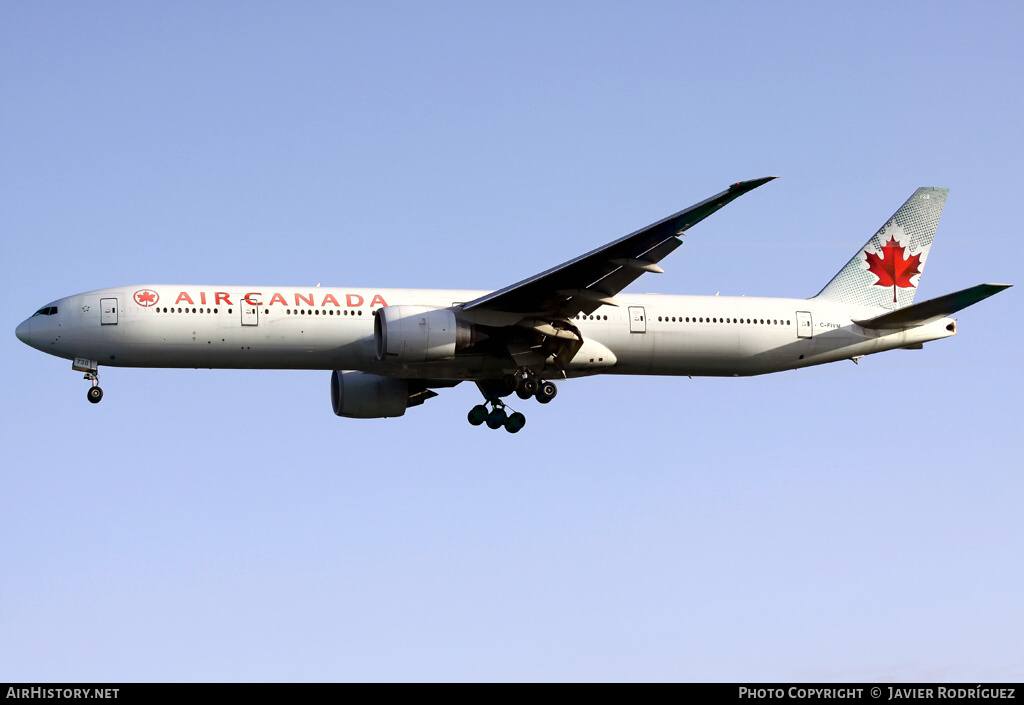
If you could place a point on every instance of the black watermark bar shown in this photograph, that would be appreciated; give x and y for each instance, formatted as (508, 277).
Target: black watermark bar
(746, 692)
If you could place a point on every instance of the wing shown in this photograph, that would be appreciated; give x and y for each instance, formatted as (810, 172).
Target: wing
(583, 284)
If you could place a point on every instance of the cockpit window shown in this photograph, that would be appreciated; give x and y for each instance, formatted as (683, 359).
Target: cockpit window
(48, 311)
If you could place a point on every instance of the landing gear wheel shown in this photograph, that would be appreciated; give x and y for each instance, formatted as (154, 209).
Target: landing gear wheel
(527, 386)
(515, 423)
(546, 392)
(496, 419)
(493, 411)
(94, 394)
(478, 414)
(509, 382)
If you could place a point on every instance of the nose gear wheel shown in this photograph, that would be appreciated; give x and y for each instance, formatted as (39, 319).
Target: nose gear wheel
(95, 393)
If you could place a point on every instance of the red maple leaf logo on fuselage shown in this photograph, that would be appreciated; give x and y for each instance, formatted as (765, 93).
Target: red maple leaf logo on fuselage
(146, 297)
(894, 267)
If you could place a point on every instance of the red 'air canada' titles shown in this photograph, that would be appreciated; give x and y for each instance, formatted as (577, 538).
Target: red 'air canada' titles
(254, 298)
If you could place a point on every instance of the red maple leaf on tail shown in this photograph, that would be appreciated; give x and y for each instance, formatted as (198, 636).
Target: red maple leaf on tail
(895, 267)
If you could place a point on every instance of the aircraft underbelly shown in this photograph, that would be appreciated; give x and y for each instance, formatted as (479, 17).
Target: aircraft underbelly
(220, 343)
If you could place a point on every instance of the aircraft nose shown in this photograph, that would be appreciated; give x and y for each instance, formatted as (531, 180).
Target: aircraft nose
(24, 331)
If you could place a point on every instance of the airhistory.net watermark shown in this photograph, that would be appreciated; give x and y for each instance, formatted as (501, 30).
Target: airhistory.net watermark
(62, 693)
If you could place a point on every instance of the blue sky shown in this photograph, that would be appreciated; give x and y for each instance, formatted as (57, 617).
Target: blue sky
(837, 523)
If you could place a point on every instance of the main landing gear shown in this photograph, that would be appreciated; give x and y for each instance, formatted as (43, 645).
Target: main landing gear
(497, 416)
(525, 385)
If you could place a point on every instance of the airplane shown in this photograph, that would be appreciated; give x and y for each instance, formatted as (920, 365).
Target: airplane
(389, 349)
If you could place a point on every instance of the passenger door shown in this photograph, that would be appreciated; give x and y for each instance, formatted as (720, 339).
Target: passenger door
(250, 314)
(804, 325)
(637, 320)
(108, 312)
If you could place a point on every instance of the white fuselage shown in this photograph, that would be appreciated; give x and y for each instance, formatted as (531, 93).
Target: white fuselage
(332, 329)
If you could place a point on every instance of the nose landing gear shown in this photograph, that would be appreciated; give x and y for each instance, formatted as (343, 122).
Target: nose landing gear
(95, 393)
(92, 373)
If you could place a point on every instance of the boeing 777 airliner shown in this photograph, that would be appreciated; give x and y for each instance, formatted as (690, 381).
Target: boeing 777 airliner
(388, 349)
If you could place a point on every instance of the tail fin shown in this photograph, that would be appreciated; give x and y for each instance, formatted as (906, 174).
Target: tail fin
(886, 271)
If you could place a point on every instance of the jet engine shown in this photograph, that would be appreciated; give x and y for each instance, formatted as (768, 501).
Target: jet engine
(361, 395)
(419, 334)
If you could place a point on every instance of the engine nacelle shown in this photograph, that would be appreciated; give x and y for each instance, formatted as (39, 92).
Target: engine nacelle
(418, 334)
(361, 395)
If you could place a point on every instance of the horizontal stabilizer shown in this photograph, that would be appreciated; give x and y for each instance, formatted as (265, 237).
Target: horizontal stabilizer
(932, 309)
